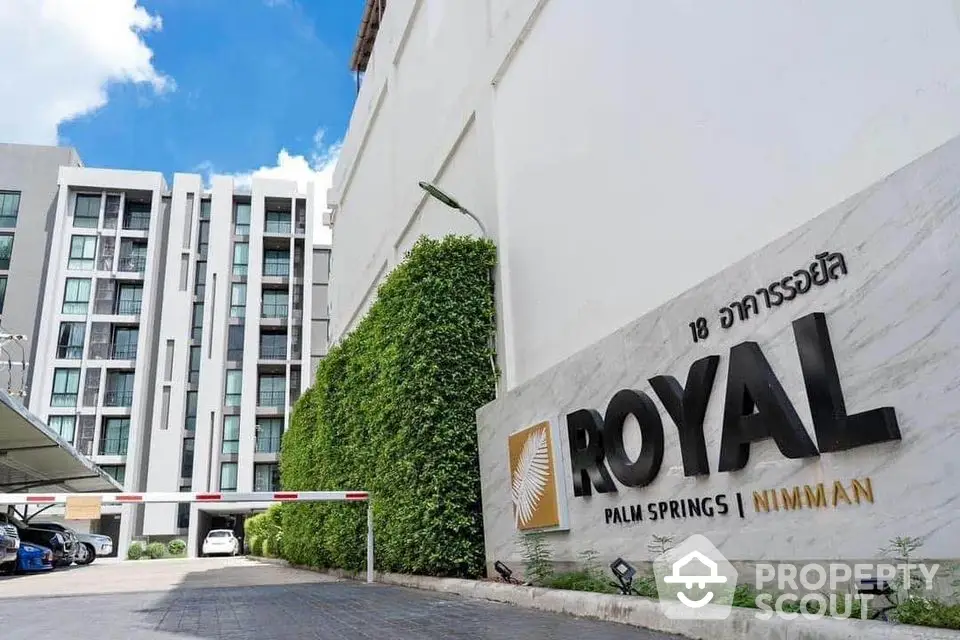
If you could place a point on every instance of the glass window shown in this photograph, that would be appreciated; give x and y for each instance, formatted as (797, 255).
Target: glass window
(235, 336)
(228, 476)
(269, 434)
(63, 426)
(203, 239)
(183, 509)
(193, 375)
(231, 434)
(233, 388)
(137, 216)
(117, 471)
(273, 346)
(205, 209)
(9, 208)
(66, 385)
(275, 303)
(266, 477)
(238, 300)
(87, 212)
(241, 219)
(119, 389)
(114, 436)
(186, 459)
(3, 291)
(133, 256)
(125, 343)
(190, 421)
(129, 299)
(271, 393)
(70, 342)
(83, 249)
(276, 222)
(200, 279)
(197, 333)
(6, 250)
(241, 258)
(276, 263)
(76, 296)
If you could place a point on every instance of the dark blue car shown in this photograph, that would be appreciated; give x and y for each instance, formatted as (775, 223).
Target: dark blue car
(32, 557)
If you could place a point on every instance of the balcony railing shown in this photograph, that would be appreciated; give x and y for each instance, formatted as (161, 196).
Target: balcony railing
(63, 399)
(113, 446)
(118, 398)
(135, 264)
(277, 226)
(276, 269)
(70, 352)
(268, 444)
(272, 399)
(137, 221)
(273, 310)
(128, 307)
(273, 351)
(123, 351)
(105, 262)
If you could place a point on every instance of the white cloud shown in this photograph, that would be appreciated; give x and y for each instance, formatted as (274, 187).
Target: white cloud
(57, 58)
(317, 167)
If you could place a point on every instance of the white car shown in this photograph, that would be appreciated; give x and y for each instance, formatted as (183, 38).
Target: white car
(221, 542)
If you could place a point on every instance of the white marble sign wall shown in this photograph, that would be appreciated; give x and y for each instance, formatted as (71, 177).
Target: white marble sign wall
(895, 329)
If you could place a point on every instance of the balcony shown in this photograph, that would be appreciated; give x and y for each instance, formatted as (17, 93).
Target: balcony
(276, 226)
(128, 307)
(63, 400)
(132, 264)
(273, 351)
(272, 399)
(117, 398)
(123, 351)
(268, 444)
(276, 269)
(137, 221)
(113, 446)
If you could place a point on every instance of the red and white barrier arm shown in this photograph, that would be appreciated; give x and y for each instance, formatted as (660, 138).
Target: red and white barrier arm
(179, 497)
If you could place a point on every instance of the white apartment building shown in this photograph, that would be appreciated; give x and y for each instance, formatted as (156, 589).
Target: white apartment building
(619, 153)
(174, 340)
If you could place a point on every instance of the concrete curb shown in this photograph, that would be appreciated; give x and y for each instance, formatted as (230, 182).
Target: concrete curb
(646, 613)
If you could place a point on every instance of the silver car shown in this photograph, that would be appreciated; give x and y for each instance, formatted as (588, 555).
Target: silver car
(87, 546)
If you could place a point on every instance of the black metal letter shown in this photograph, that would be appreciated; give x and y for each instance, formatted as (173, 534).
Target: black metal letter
(836, 431)
(688, 408)
(752, 385)
(644, 469)
(585, 433)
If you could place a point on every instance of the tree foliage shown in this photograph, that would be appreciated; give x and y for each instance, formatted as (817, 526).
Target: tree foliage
(393, 412)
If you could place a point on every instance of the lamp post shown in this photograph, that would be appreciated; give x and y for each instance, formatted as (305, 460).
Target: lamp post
(452, 202)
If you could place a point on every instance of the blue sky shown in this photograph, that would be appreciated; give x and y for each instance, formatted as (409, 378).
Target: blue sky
(251, 77)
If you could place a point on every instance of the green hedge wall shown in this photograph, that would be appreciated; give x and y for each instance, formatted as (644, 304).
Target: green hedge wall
(393, 411)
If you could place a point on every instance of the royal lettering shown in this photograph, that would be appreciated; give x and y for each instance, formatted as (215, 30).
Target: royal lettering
(756, 408)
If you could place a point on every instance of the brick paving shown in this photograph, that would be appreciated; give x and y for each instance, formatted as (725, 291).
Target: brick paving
(224, 600)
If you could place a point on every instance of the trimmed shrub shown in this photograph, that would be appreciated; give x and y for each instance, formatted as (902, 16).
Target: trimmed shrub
(256, 545)
(268, 548)
(177, 547)
(155, 550)
(393, 411)
(135, 551)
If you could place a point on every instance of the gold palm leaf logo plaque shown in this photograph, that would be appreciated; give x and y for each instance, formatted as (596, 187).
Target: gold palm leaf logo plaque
(533, 478)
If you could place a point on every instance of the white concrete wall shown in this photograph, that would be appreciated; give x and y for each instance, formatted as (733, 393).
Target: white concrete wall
(619, 155)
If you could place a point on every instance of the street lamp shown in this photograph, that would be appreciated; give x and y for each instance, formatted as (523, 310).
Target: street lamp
(452, 203)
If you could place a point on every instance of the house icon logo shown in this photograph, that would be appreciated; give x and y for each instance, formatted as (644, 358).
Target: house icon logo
(694, 580)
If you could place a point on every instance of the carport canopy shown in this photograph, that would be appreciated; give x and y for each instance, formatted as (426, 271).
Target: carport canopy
(34, 458)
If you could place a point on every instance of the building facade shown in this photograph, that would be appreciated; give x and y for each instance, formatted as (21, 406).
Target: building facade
(619, 157)
(28, 199)
(174, 339)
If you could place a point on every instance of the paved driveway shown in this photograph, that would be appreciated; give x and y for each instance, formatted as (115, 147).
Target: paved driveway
(240, 599)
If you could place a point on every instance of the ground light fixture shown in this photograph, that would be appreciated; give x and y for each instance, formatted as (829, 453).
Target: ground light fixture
(451, 202)
(506, 574)
(624, 573)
